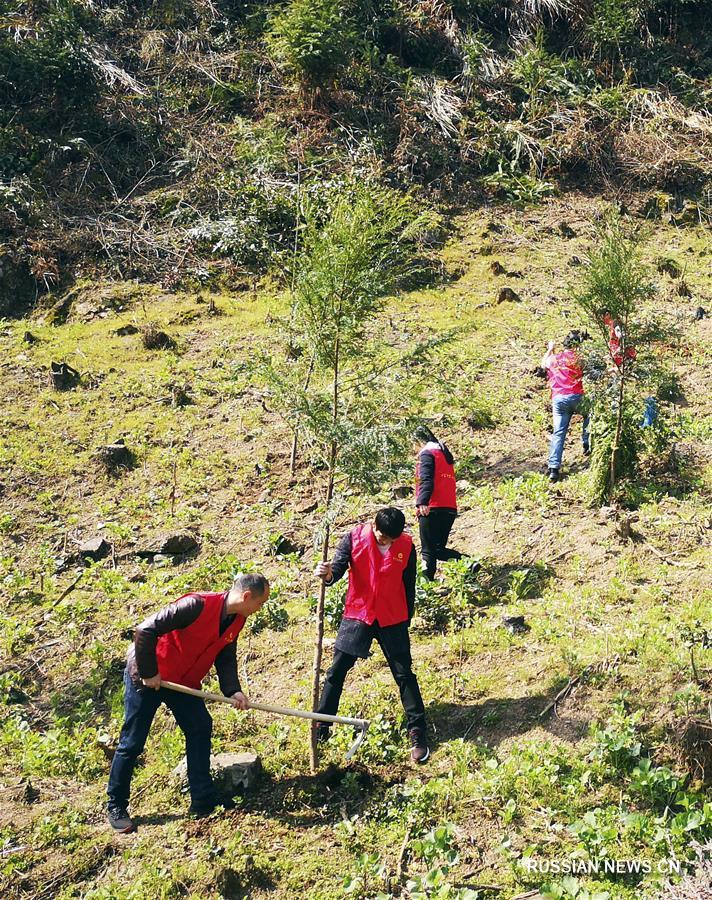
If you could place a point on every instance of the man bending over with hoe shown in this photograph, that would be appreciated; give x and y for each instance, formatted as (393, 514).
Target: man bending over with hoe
(180, 643)
(379, 604)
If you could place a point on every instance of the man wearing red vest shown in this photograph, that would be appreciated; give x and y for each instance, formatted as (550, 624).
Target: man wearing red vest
(435, 499)
(180, 643)
(379, 604)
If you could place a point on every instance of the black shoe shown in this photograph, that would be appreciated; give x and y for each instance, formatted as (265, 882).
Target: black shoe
(474, 567)
(201, 810)
(420, 752)
(120, 820)
(323, 732)
(586, 451)
(553, 475)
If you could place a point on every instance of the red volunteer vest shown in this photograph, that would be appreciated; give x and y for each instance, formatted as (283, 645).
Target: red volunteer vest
(376, 590)
(185, 655)
(444, 490)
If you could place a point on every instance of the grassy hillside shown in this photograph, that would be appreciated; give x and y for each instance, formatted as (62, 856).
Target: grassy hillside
(611, 768)
(174, 141)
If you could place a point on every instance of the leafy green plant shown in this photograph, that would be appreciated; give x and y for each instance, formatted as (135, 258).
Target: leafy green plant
(570, 888)
(314, 38)
(271, 617)
(525, 583)
(598, 832)
(517, 187)
(613, 25)
(436, 848)
(658, 785)
(64, 749)
(617, 743)
(451, 604)
(383, 742)
(369, 873)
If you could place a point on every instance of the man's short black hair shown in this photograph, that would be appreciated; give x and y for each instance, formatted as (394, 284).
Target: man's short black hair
(390, 521)
(252, 582)
(423, 434)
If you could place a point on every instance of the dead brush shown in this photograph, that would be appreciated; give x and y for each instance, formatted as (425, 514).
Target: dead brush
(664, 142)
(694, 736)
(587, 139)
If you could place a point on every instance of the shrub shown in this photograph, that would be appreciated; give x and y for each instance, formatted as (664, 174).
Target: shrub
(314, 38)
(153, 338)
(603, 435)
(613, 26)
(53, 84)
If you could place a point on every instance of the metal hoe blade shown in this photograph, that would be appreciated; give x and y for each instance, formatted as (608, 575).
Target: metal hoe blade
(357, 743)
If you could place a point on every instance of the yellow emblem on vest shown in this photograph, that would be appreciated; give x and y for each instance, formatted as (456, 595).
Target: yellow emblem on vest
(400, 556)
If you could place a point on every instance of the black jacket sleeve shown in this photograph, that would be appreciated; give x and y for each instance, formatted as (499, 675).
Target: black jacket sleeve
(177, 615)
(226, 667)
(426, 478)
(409, 582)
(342, 558)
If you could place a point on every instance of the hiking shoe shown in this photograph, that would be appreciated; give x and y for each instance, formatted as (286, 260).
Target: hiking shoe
(474, 567)
(420, 751)
(120, 820)
(323, 732)
(201, 810)
(553, 475)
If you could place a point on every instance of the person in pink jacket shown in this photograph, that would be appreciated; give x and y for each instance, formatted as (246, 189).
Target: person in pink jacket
(565, 374)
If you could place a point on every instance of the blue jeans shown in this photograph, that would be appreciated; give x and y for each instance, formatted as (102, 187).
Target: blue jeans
(650, 412)
(563, 408)
(194, 720)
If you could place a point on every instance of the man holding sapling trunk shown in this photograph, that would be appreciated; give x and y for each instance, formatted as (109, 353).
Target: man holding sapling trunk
(180, 643)
(379, 605)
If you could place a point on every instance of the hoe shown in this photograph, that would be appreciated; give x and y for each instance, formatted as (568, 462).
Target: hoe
(360, 724)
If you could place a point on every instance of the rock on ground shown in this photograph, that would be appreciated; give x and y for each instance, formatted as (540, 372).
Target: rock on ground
(508, 294)
(233, 773)
(177, 544)
(95, 549)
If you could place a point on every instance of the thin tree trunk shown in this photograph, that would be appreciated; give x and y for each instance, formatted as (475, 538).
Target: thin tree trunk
(319, 640)
(295, 436)
(619, 425)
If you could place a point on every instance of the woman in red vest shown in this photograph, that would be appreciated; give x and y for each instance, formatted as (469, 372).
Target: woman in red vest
(379, 604)
(180, 643)
(435, 499)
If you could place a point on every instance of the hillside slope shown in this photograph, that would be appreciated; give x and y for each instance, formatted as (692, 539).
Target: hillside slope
(175, 141)
(611, 619)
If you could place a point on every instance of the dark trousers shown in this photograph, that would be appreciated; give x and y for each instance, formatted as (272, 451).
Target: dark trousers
(400, 665)
(194, 721)
(434, 533)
